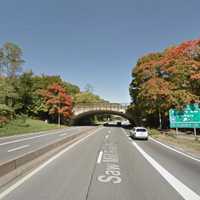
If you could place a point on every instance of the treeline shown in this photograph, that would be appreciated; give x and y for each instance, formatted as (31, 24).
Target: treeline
(164, 80)
(39, 96)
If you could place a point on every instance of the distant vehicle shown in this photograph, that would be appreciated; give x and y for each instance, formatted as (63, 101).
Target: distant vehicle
(119, 123)
(106, 124)
(139, 133)
(126, 122)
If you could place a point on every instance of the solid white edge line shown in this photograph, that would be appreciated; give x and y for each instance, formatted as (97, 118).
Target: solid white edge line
(182, 189)
(100, 157)
(177, 151)
(18, 148)
(28, 176)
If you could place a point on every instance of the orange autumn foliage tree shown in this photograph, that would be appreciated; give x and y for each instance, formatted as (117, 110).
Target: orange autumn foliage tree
(58, 102)
(167, 79)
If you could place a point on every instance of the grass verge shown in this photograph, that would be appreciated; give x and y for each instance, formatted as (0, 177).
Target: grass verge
(189, 145)
(16, 127)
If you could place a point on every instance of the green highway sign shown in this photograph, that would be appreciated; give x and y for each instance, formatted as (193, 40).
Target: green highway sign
(186, 118)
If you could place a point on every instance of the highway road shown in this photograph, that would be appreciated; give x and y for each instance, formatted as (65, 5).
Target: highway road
(15, 146)
(108, 165)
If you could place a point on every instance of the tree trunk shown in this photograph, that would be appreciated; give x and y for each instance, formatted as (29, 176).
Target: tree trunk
(160, 119)
(59, 119)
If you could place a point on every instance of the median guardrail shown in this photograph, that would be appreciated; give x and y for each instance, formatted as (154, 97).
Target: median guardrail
(20, 165)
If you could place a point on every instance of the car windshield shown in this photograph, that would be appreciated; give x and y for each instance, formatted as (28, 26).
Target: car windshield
(141, 130)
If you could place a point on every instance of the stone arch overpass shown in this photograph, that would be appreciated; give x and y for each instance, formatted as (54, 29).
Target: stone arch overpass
(83, 110)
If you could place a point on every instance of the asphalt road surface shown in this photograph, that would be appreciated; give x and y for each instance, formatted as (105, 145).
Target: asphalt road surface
(12, 147)
(108, 165)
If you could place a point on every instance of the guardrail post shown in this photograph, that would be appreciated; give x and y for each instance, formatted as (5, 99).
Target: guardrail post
(195, 134)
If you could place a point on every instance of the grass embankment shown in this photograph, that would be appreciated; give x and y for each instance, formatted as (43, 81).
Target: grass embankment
(19, 126)
(185, 143)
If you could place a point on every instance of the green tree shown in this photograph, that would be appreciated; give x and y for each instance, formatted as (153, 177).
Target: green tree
(86, 97)
(44, 81)
(10, 65)
(10, 59)
(25, 91)
(89, 88)
(70, 88)
(8, 93)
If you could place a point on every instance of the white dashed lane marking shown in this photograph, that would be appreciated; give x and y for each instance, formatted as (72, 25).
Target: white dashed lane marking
(18, 148)
(100, 157)
(107, 136)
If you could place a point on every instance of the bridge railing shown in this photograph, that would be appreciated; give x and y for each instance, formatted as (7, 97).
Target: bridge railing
(82, 105)
(100, 106)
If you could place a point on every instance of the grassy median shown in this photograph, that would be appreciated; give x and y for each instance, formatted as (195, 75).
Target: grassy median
(20, 126)
(188, 144)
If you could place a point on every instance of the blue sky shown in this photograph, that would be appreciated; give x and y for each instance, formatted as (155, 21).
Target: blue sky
(96, 42)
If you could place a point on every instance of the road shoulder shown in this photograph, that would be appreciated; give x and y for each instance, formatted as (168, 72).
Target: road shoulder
(183, 144)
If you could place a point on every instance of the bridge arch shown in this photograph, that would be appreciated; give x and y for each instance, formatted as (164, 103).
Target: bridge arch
(85, 110)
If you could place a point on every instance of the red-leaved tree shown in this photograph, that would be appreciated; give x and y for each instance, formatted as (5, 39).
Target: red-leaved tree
(57, 100)
(167, 79)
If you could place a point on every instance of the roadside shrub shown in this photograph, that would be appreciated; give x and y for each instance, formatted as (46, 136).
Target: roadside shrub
(6, 111)
(21, 120)
(3, 120)
(154, 132)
